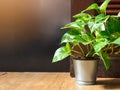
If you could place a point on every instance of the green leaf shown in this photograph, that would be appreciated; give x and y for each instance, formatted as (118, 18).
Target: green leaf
(88, 37)
(93, 6)
(72, 25)
(62, 53)
(104, 6)
(83, 16)
(113, 25)
(96, 26)
(74, 36)
(100, 26)
(117, 41)
(69, 36)
(78, 25)
(118, 14)
(106, 60)
(101, 18)
(68, 47)
(83, 39)
(104, 34)
(91, 26)
(99, 44)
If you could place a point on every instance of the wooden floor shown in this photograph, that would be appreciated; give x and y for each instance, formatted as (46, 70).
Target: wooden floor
(51, 81)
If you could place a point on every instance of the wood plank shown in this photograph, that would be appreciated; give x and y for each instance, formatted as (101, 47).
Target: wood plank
(52, 81)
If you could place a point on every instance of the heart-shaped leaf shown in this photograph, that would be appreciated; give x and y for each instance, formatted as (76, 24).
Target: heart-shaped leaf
(106, 60)
(93, 6)
(62, 53)
(117, 41)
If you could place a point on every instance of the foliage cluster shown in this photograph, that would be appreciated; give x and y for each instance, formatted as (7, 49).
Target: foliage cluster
(99, 33)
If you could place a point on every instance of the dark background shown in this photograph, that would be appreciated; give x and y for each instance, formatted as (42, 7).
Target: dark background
(30, 33)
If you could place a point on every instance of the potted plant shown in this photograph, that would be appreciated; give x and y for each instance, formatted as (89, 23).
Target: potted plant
(95, 37)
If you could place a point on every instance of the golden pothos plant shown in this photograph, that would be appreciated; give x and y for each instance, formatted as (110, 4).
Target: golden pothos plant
(99, 33)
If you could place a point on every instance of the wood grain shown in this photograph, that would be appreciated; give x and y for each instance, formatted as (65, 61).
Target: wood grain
(51, 81)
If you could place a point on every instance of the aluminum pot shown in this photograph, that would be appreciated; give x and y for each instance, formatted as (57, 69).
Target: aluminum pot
(85, 71)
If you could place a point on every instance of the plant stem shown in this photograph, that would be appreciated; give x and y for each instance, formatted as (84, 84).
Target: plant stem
(118, 52)
(87, 46)
(107, 48)
(116, 46)
(73, 47)
(111, 49)
(82, 51)
(76, 52)
(72, 56)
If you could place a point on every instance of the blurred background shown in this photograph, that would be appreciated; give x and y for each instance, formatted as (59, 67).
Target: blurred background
(30, 33)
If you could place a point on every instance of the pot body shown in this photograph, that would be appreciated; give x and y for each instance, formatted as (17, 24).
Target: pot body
(85, 71)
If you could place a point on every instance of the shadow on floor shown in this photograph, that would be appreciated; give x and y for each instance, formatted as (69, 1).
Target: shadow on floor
(110, 84)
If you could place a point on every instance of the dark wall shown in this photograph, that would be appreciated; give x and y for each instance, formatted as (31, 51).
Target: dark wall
(30, 33)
